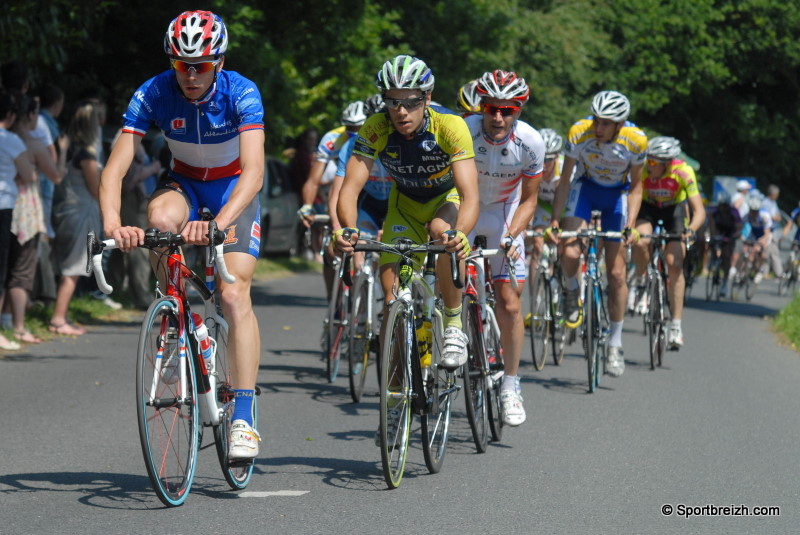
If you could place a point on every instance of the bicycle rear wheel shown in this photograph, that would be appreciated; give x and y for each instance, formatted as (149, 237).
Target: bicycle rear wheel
(360, 332)
(166, 403)
(713, 280)
(475, 376)
(785, 279)
(237, 474)
(494, 355)
(540, 319)
(440, 387)
(395, 393)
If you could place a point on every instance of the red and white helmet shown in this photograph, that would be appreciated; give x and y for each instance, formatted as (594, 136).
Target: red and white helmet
(503, 85)
(195, 34)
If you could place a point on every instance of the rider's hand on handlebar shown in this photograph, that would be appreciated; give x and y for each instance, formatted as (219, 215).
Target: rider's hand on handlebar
(306, 215)
(507, 244)
(551, 233)
(344, 239)
(456, 241)
(127, 238)
(195, 233)
(630, 235)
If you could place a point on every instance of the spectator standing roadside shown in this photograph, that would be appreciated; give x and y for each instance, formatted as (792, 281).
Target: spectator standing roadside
(27, 223)
(75, 212)
(13, 162)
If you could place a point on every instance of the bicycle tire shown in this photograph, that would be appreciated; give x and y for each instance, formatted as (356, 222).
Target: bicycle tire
(435, 428)
(750, 288)
(336, 328)
(237, 474)
(494, 355)
(395, 357)
(540, 323)
(169, 425)
(558, 327)
(655, 320)
(475, 396)
(359, 345)
(740, 278)
(785, 279)
(713, 279)
(590, 335)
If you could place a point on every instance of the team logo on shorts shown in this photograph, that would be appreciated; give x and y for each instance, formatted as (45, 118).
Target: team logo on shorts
(399, 228)
(178, 125)
(230, 236)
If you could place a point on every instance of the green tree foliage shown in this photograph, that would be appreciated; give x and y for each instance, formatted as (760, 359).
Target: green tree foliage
(721, 75)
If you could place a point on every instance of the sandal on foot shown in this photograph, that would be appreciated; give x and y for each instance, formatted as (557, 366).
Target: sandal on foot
(66, 329)
(8, 345)
(27, 337)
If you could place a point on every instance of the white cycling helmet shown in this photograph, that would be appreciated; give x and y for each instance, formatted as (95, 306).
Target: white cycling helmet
(405, 72)
(611, 105)
(194, 34)
(469, 101)
(552, 141)
(743, 185)
(664, 148)
(723, 197)
(354, 114)
(503, 85)
(754, 202)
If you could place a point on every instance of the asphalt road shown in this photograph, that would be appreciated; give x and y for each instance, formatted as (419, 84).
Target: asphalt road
(717, 426)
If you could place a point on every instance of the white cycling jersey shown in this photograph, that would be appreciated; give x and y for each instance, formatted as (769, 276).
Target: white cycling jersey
(502, 165)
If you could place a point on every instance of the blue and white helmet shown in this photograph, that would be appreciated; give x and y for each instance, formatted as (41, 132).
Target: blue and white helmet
(405, 72)
(552, 141)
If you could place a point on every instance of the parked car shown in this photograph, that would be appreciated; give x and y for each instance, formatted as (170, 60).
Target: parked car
(281, 229)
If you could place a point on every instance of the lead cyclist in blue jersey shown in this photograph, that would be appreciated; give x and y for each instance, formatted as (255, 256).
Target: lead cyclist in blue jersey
(213, 122)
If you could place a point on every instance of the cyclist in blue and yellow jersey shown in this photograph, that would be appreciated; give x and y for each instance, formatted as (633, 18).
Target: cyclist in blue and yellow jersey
(509, 155)
(213, 122)
(468, 101)
(609, 152)
(428, 152)
(669, 188)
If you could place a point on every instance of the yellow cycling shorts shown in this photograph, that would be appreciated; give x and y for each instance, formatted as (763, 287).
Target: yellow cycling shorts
(407, 218)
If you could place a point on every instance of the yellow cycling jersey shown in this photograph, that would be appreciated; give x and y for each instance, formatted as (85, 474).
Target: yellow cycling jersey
(422, 165)
(674, 186)
(606, 164)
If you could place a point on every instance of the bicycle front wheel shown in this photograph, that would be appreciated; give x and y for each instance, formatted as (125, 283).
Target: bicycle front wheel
(475, 376)
(558, 329)
(337, 312)
(166, 403)
(360, 332)
(590, 334)
(540, 319)
(656, 324)
(395, 393)
(237, 474)
(493, 352)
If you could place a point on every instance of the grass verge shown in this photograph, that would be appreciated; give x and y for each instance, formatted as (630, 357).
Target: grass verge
(86, 310)
(787, 322)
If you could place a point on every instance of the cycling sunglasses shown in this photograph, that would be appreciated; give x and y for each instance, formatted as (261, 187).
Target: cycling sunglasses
(410, 104)
(505, 111)
(657, 161)
(195, 68)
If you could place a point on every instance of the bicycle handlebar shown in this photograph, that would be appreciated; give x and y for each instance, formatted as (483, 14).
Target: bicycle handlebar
(154, 239)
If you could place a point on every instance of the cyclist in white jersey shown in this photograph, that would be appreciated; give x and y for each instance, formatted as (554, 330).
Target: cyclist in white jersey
(551, 175)
(609, 153)
(509, 154)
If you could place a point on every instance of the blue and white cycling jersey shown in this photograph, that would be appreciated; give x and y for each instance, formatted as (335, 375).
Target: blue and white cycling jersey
(379, 183)
(203, 136)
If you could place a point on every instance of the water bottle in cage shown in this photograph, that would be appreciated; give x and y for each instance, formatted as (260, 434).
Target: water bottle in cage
(206, 343)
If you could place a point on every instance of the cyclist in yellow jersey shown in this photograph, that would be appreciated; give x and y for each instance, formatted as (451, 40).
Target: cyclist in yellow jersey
(609, 153)
(428, 151)
(669, 185)
(468, 101)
